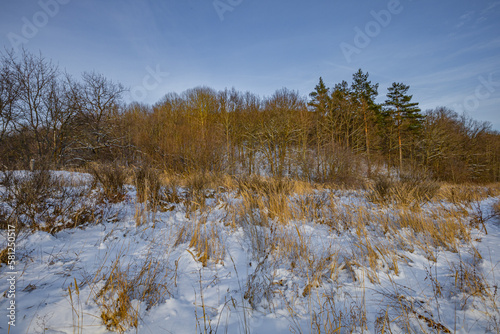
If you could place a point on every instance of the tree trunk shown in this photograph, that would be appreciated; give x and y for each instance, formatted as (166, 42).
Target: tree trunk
(399, 142)
(367, 142)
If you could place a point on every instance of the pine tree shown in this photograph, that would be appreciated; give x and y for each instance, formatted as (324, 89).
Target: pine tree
(404, 113)
(320, 102)
(364, 94)
(341, 117)
(320, 98)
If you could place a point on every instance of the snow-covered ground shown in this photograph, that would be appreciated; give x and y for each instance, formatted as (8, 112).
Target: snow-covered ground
(205, 271)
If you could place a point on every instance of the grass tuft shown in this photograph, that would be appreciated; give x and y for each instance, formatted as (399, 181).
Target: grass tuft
(145, 284)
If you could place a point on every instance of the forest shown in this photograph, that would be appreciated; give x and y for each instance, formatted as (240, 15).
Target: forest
(338, 135)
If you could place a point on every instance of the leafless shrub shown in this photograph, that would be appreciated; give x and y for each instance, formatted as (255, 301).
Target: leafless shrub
(259, 286)
(39, 200)
(381, 189)
(111, 178)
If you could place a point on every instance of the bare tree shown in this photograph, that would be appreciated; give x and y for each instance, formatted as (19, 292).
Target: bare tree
(279, 128)
(9, 93)
(64, 104)
(100, 103)
(36, 78)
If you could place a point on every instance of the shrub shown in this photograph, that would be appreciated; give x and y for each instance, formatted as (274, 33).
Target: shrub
(111, 178)
(380, 190)
(27, 196)
(40, 201)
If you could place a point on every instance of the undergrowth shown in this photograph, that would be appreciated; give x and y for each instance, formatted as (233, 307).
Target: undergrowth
(379, 229)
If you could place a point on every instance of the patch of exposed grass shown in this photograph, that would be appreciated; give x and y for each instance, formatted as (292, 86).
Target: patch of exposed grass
(407, 190)
(123, 287)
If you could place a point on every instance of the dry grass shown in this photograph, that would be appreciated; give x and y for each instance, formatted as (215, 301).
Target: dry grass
(437, 228)
(468, 279)
(271, 213)
(197, 181)
(407, 190)
(147, 186)
(407, 314)
(206, 244)
(148, 194)
(4, 256)
(333, 316)
(467, 193)
(76, 306)
(125, 289)
(267, 186)
(265, 211)
(190, 191)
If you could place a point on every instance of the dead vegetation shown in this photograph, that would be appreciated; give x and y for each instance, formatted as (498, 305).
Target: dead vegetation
(410, 216)
(406, 190)
(111, 179)
(122, 291)
(39, 200)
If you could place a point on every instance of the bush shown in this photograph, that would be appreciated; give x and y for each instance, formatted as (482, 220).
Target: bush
(380, 190)
(26, 198)
(111, 178)
(40, 201)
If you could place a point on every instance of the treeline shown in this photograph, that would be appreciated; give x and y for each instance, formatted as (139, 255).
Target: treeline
(51, 117)
(339, 134)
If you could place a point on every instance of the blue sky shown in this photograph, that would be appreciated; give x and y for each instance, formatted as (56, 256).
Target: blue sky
(448, 51)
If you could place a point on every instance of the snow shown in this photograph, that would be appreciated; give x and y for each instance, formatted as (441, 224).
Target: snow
(202, 298)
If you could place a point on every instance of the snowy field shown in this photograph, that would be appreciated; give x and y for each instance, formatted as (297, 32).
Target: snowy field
(313, 260)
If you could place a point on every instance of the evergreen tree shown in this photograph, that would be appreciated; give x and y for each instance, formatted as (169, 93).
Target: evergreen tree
(403, 113)
(320, 98)
(341, 117)
(364, 94)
